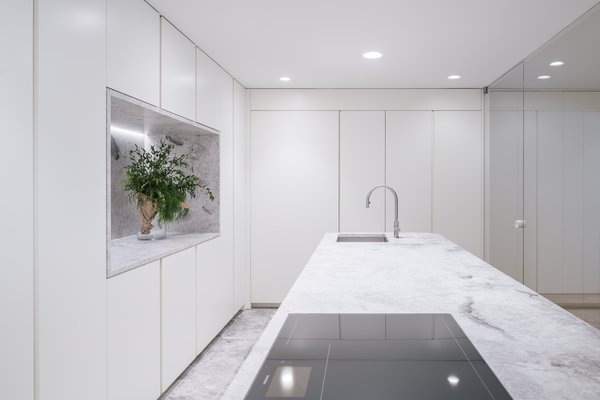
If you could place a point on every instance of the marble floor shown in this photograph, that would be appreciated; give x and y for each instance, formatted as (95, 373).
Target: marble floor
(210, 374)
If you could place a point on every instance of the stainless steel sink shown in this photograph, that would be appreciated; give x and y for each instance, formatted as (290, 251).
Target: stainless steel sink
(354, 238)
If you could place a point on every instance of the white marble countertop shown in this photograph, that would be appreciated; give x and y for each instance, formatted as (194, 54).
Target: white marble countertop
(536, 349)
(128, 253)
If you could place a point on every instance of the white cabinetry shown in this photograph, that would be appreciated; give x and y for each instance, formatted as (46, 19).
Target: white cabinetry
(134, 334)
(214, 91)
(362, 167)
(409, 137)
(505, 188)
(215, 294)
(16, 175)
(133, 49)
(239, 193)
(71, 199)
(178, 273)
(458, 178)
(178, 72)
(294, 198)
(564, 157)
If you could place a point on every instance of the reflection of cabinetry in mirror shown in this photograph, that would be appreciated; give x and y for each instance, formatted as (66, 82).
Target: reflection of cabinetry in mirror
(564, 158)
(543, 166)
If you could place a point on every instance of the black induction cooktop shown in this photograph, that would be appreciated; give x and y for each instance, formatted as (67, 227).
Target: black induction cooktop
(374, 357)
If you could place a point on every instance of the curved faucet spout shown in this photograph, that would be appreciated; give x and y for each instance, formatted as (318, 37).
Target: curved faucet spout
(396, 222)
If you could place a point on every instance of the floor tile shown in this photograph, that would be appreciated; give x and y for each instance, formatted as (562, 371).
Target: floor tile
(212, 372)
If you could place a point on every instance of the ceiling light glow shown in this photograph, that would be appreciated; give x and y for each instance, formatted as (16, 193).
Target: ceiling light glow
(287, 378)
(556, 63)
(544, 77)
(453, 77)
(285, 79)
(453, 380)
(372, 55)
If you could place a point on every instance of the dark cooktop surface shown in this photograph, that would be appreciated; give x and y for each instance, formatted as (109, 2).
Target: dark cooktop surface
(374, 357)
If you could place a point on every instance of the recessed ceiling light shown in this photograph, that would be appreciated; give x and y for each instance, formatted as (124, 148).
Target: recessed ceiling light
(556, 63)
(544, 77)
(454, 77)
(285, 79)
(371, 55)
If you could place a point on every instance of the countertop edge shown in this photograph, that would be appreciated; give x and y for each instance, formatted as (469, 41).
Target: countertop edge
(184, 244)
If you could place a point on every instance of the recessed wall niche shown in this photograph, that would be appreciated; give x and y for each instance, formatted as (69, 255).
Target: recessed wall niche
(131, 122)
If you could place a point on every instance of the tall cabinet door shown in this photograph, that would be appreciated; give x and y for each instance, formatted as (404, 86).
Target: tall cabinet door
(409, 136)
(505, 192)
(458, 178)
(133, 330)
(362, 167)
(294, 166)
(178, 310)
(214, 291)
(16, 173)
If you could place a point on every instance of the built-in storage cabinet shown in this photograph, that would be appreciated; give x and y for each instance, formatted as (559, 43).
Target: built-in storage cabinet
(178, 310)
(215, 292)
(504, 184)
(562, 194)
(134, 334)
(362, 167)
(431, 154)
(294, 198)
(178, 72)
(133, 49)
(457, 209)
(241, 209)
(162, 315)
(408, 149)
(214, 89)
(17, 237)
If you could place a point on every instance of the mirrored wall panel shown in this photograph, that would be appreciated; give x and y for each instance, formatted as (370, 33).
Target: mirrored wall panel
(543, 169)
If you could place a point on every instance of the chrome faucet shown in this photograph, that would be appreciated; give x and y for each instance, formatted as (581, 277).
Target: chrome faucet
(396, 223)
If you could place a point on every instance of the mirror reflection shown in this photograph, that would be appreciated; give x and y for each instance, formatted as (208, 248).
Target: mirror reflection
(543, 191)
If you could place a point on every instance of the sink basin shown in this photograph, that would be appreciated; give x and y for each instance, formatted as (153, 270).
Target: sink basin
(354, 238)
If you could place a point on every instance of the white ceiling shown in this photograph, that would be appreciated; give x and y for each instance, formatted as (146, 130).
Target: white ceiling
(318, 43)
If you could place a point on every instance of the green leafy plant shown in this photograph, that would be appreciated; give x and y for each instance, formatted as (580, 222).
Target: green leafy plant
(158, 177)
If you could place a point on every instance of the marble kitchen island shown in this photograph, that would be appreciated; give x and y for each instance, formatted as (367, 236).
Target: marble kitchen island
(536, 349)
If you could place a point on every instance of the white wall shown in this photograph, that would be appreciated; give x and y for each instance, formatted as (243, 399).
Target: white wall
(16, 175)
(71, 199)
(427, 144)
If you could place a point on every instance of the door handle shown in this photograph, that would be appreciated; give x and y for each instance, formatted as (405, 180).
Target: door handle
(520, 223)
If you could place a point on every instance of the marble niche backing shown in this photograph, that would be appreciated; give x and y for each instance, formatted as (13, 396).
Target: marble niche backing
(131, 122)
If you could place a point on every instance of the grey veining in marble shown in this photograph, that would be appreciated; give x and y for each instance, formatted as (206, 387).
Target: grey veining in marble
(204, 159)
(536, 349)
(129, 252)
(211, 373)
